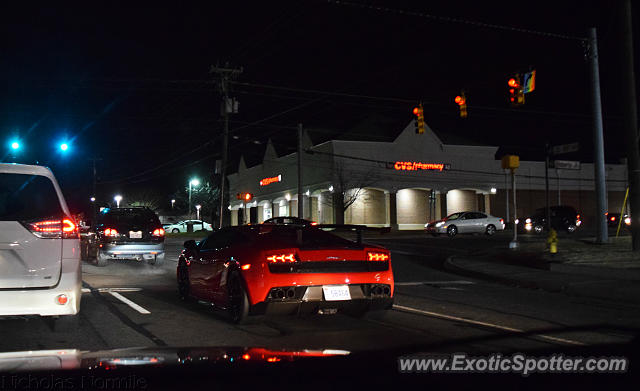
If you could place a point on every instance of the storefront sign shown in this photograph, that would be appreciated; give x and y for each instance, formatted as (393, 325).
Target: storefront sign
(415, 166)
(273, 179)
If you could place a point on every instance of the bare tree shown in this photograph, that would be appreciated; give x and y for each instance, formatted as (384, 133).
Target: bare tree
(144, 197)
(349, 187)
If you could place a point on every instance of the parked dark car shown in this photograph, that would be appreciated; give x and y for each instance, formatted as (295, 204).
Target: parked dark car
(613, 219)
(563, 218)
(126, 233)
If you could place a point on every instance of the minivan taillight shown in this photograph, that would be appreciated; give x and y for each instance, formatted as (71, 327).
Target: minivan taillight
(54, 229)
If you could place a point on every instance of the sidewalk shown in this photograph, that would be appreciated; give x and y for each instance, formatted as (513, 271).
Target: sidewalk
(581, 268)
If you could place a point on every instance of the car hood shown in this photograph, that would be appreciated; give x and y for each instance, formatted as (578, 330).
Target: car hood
(64, 359)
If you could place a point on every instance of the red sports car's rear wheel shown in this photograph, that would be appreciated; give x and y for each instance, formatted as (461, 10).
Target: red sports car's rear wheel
(238, 305)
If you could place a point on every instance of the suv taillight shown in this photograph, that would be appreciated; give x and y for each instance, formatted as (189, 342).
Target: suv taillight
(110, 232)
(158, 232)
(54, 229)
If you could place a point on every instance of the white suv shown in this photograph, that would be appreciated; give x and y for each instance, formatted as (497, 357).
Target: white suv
(40, 272)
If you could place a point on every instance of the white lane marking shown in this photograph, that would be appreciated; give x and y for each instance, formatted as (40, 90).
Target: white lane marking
(460, 282)
(101, 290)
(119, 289)
(485, 324)
(129, 303)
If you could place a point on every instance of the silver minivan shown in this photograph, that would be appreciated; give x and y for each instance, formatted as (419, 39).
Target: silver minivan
(40, 272)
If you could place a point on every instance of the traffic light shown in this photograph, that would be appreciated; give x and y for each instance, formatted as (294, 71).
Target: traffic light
(516, 91)
(418, 111)
(246, 197)
(461, 101)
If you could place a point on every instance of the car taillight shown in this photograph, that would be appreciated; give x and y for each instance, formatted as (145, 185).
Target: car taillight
(375, 256)
(501, 221)
(276, 258)
(54, 229)
(158, 232)
(314, 223)
(110, 232)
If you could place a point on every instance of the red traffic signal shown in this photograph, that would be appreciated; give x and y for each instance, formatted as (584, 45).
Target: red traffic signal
(416, 111)
(460, 100)
(244, 196)
(513, 83)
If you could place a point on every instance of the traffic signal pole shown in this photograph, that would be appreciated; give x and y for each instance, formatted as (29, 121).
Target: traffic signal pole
(547, 211)
(630, 116)
(598, 141)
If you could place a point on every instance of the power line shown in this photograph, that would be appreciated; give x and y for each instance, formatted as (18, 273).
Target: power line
(457, 20)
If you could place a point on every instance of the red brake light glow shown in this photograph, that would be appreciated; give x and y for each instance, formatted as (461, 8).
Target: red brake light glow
(314, 223)
(54, 229)
(46, 226)
(377, 257)
(158, 232)
(282, 258)
(68, 226)
(110, 232)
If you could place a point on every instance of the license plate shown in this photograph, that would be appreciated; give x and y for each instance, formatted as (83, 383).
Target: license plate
(135, 234)
(336, 292)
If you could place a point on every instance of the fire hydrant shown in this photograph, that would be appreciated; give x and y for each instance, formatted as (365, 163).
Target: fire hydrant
(552, 241)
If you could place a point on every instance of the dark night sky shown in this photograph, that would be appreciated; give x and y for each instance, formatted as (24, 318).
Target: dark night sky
(130, 84)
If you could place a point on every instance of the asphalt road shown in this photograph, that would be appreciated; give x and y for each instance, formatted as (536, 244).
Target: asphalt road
(130, 304)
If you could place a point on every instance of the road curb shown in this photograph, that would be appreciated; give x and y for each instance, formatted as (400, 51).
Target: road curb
(449, 265)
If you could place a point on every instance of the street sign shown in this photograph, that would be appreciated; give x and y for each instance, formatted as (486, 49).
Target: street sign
(566, 164)
(565, 148)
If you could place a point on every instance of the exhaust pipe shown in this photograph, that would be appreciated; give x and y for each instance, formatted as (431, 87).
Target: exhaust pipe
(387, 290)
(291, 293)
(279, 294)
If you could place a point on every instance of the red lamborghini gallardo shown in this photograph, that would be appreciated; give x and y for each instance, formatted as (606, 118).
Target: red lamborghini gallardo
(284, 269)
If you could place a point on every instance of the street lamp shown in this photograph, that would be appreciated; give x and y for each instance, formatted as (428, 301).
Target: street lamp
(118, 198)
(173, 202)
(198, 211)
(93, 199)
(193, 182)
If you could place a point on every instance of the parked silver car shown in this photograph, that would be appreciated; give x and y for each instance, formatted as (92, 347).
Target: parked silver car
(465, 222)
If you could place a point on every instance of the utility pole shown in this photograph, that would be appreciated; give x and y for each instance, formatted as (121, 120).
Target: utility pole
(300, 201)
(630, 115)
(228, 106)
(598, 141)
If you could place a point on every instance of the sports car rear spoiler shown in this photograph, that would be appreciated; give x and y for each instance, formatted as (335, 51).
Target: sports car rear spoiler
(354, 227)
